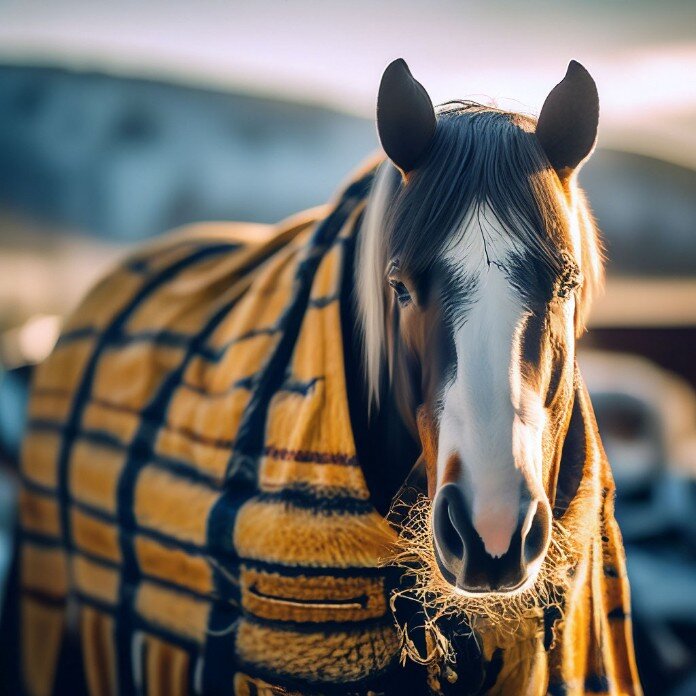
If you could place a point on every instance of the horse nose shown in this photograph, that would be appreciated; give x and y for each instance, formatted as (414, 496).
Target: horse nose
(536, 531)
(461, 553)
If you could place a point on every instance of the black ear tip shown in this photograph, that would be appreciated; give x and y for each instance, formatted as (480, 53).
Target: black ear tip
(396, 66)
(577, 71)
(574, 67)
(394, 74)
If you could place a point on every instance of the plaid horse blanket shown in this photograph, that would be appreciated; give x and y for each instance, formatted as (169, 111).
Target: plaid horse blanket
(192, 507)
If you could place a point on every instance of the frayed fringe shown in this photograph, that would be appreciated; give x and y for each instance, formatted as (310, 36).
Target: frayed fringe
(496, 617)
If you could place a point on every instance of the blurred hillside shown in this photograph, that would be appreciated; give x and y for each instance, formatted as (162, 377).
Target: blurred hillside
(124, 159)
(646, 210)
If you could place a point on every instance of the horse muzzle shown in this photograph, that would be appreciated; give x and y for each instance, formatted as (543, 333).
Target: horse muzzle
(462, 555)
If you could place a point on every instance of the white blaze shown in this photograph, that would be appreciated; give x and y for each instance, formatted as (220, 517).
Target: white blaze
(485, 408)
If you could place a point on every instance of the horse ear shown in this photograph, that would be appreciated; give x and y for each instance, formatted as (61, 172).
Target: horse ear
(405, 116)
(567, 125)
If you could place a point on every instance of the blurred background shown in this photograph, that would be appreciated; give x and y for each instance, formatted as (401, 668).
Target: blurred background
(119, 121)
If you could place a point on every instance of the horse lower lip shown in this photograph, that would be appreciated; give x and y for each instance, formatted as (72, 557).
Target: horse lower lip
(493, 590)
(489, 591)
(516, 587)
(474, 590)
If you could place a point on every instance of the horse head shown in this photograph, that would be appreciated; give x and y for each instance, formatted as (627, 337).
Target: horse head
(478, 259)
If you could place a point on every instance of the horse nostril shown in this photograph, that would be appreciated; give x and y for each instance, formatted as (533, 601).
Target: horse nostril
(535, 541)
(448, 539)
(449, 536)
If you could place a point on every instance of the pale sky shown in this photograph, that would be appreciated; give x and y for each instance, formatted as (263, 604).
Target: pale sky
(641, 53)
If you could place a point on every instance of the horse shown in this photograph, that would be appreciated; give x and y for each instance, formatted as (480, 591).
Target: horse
(356, 456)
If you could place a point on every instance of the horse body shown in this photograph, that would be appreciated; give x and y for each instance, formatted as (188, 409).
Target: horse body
(207, 469)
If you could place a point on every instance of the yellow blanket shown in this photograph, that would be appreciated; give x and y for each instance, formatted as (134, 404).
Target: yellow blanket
(192, 503)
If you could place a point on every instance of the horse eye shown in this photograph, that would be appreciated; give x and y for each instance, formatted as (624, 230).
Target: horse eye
(403, 296)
